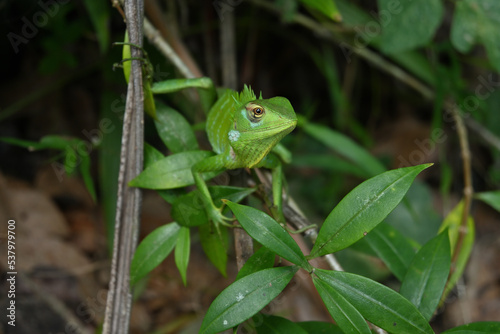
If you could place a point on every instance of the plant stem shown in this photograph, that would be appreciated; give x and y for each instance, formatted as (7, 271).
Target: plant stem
(128, 205)
(468, 190)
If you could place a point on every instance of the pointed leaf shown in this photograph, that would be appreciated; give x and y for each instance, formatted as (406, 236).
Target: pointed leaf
(151, 155)
(261, 259)
(452, 222)
(54, 142)
(153, 250)
(215, 245)
(99, 15)
(269, 233)
(170, 195)
(329, 163)
(343, 312)
(344, 146)
(326, 7)
(182, 249)
(86, 175)
(492, 198)
(426, 278)
(126, 54)
(30, 145)
(171, 172)
(377, 303)
(392, 248)
(174, 129)
(245, 297)
(70, 160)
(363, 209)
(149, 100)
(476, 328)
(272, 324)
(58, 142)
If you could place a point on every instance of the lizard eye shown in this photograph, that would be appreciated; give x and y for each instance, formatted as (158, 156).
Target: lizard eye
(254, 112)
(258, 112)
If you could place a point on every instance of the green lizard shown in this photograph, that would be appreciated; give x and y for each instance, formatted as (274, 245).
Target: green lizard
(244, 131)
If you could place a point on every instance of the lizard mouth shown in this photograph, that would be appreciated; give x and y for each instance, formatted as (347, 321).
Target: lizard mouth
(281, 126)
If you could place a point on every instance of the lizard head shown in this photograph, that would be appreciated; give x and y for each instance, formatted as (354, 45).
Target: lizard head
(260, 125)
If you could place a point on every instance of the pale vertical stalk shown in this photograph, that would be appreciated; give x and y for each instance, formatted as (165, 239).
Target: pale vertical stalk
(118, 305)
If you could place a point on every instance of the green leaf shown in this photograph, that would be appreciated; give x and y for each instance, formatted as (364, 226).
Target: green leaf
(261, 259)
(182, 248)
(189, 210)
(318, 327)
(54, 142)
(153, 250)
(70, 160)
(377, 303)
(402, 25)
(99, 15)
(149, 101)
(343, 312)
(416, 218)
(215, 245)
(426, 278)
(477, 21)
(327, 7)
(245, 297)
(151, 155)
(126, 54)
(363, 209)
(391, 247)
(58, 142)
(30, 145)
(328, 163)
(86, 175)
(170, 195)
(174, 130)
(175, 85)
(452, 222)
(277, 325)
(269, 233)
(171, 172)
(344, 146)
(491, 198)
(476, 328)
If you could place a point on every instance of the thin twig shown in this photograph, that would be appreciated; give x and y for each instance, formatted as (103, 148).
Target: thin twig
(161, 44)
(157, 18)
(295, 217)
